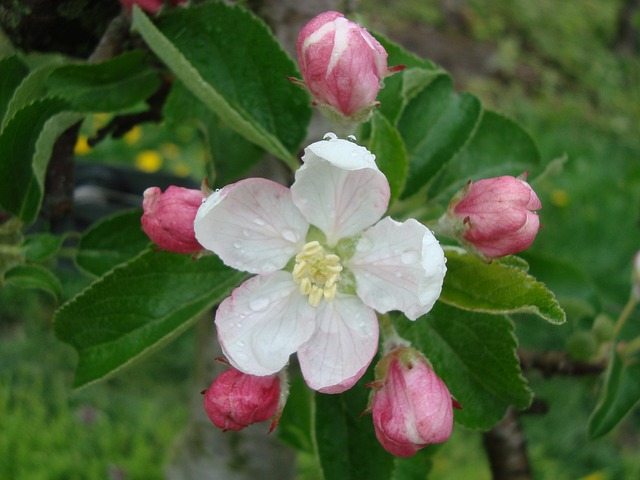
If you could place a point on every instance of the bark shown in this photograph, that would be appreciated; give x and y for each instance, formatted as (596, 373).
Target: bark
(558, 363)
(506, 447)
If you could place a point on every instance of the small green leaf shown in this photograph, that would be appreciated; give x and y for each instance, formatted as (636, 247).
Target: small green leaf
(138, 308)
(231, 156)
(12, 72)
(475, 355)
(499, 147)
(416, 467)
(345, 439)
(34, 276)
(231, 62)
(620, 393)
(435, 125)
(471, 284)
(111, 241)
(385, 142)
(28, 139)
(42, 246)
(109, 86)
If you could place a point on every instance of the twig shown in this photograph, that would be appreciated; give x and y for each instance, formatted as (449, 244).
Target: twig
(506, 447)
(558, 363)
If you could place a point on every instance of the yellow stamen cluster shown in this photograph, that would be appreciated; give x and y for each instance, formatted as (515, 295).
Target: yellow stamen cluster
(317, 273)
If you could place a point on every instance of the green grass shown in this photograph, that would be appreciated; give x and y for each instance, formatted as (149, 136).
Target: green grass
(123, 428)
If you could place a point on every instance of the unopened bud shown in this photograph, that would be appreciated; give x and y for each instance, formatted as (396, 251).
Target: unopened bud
(411, 406)
(151, 6)
(236, 400)
(495, 216)
(342, 66)
(168, 218)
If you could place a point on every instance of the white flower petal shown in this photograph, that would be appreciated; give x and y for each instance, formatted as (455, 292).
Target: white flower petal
(263, 322)
(340, 189)
(398, 266)
(340, 351)
(252, 225)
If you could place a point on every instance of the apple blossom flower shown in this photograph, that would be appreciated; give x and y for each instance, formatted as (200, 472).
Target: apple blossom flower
(236, 400)
(410, 405)
(151, 6)
(495, 216)
(168, 218)
(323, 265)
(342, 65)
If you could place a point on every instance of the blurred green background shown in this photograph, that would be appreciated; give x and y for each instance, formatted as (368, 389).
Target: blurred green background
(569, 72)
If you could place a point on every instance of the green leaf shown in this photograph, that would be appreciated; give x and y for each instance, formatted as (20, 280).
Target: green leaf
(42, 246)
(435, 125)
(471, 284)
(294, 427)
(231, 156)
(385, 142)
(139, 307)
(231, 62)
(416, 467)
(345, 439)
(34, 276)
(111, 241)
(499, 147)
(475, 355)
(27, 141)
(393, 96)
(116, 84)
(620, 393)
(33, 86)
(12, 72)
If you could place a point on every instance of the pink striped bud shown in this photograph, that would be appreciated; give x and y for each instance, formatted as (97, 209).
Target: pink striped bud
(168, 218)
(236, 400)
(342, 65)
(151, 6)
(497, 215)
(411, 406)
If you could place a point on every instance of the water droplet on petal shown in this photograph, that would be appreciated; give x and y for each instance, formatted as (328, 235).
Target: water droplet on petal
(258, 303)
(352, 138)
(289, 235)
(330, 136)
(240, 343)
(364, 245)
(258, 221)
(398, 274)
(236, 244)
(246, 233)
(408, 257)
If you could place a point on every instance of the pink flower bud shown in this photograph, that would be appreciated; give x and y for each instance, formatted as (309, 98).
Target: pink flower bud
(411, 406)
(151, 6)
(498, 215)
(235, 400)
(168, 218)
(342, 64)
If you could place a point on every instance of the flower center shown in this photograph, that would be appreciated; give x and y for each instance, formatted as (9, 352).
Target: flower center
(317, 273)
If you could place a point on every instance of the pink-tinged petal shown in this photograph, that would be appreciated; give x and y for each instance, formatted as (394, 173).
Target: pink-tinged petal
(398, 266)
(339, 188)
(252, 225)
(263, 322)
(340, 351)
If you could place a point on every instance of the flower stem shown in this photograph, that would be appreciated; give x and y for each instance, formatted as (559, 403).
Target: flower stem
(391, 338)
(628, 308)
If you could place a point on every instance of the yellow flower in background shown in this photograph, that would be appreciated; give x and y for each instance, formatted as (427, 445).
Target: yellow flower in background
(148, 161)
(82, 146)
(182, 170)
(133, 136)
(560, 198)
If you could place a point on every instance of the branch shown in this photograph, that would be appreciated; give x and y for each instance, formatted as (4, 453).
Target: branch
(506, 447)
(558, 363)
